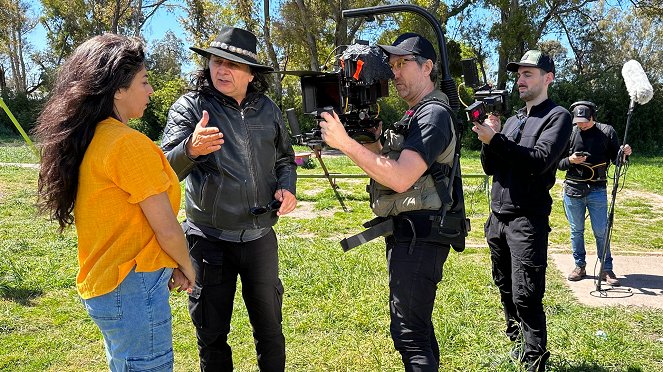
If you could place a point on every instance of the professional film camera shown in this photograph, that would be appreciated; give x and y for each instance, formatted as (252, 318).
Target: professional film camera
(487, 100)
(360, 78)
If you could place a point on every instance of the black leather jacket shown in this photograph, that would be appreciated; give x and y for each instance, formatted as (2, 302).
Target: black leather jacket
(255, 160)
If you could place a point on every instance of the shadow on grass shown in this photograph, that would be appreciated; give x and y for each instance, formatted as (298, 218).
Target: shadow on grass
(22, 296)
(572, 366)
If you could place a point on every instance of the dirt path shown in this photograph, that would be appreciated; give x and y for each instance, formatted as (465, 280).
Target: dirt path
(22, 165)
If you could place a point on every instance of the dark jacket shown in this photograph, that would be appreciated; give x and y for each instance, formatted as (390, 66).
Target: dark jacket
(603, 145)
(254, 161)
(523, 159)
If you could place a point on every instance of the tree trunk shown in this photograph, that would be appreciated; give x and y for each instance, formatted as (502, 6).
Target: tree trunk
(116, 16)
(310, 38)
(3, 81)
(271, 53)
(138, 17)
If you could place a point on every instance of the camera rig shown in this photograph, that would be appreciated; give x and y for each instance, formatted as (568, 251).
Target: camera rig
(351, 91)
(487, 100)
(362, 78)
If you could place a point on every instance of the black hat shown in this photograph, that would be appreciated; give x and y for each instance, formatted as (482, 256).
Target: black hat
(411, 43)
(533, 58)
(582, 114)
(236, 45)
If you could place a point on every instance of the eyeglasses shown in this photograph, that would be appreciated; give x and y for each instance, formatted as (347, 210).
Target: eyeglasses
(273, 205)
(399, 64)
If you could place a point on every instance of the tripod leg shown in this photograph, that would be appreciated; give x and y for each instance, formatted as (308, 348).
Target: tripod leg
(334, 187)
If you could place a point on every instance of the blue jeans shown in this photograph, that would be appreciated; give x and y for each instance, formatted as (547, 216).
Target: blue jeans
(596, 202)
(136, 322)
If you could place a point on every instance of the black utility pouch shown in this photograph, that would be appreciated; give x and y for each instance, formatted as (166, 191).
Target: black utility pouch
(576, 189)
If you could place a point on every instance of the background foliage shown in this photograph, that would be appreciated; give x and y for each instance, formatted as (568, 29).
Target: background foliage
(589, 39)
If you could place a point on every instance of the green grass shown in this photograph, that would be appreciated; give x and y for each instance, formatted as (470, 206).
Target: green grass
(335, 304)
(16, 151)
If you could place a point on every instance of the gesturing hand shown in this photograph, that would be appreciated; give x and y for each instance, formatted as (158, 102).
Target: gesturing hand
(204, 140)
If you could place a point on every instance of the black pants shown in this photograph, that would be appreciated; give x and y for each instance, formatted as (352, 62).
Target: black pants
(413, 278)
(518, 250)
(217, 264)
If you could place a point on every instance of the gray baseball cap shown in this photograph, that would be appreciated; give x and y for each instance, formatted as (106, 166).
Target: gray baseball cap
(533, 58)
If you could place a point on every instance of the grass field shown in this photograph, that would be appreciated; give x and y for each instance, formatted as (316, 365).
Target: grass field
(335, 304)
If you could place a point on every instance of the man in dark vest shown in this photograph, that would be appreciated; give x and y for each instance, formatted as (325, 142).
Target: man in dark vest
(522, 158)
(406, 173)
(591, 149)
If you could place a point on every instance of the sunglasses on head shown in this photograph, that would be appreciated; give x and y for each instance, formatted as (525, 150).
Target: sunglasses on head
(273, 205)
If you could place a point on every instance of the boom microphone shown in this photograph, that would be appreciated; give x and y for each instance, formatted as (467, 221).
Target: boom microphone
(637, 84)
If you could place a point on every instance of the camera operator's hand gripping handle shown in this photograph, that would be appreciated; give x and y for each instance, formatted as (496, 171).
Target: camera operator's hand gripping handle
(332, 130)
(486, 131)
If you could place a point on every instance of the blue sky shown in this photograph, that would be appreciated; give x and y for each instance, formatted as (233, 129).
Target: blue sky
(155, 28)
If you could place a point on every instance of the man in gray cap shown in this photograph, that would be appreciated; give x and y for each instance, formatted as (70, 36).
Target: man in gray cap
(592, 147)
(522, 158)
(416, 156)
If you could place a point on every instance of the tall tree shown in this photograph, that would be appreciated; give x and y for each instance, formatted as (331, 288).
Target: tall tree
(165, 56)
(515, 26)
(13, 43)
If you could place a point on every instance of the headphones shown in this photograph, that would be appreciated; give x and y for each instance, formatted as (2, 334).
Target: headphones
(591, 105)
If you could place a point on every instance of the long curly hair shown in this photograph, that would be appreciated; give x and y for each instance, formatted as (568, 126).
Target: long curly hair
(83, 96)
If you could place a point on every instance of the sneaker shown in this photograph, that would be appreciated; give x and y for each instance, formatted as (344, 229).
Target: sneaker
(610, 278)
(577, 274)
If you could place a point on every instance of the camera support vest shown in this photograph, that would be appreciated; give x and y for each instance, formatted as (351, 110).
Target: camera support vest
(431, 192)
(423, 195)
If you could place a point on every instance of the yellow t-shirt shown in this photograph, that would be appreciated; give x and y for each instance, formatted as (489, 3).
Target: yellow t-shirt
(120, 168)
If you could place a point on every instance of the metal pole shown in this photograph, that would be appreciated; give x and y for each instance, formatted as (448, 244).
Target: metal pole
(615, 187)
(317, 149)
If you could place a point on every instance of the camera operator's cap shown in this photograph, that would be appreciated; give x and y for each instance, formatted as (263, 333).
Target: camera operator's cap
(237, 45)
(411, 43)
(581, 114)
(533, 58)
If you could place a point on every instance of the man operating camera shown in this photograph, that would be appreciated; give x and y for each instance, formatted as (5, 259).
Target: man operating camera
(406, 173)
(522, 160)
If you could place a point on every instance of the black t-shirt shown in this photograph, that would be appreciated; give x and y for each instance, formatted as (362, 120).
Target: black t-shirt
(430, 131)
(602, 143)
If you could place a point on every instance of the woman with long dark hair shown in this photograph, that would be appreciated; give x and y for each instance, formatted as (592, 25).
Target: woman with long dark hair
(116, 186)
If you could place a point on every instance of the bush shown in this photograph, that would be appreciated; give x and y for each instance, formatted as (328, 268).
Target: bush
(24, 108)
(167, 89)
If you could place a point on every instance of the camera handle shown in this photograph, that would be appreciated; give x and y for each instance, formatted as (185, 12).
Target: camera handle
(315, 146)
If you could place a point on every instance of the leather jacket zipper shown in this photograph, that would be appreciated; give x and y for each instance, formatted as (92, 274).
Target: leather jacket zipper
(202, 190)
(252, 171)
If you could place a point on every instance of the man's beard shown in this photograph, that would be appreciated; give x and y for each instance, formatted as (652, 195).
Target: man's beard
(529, 94)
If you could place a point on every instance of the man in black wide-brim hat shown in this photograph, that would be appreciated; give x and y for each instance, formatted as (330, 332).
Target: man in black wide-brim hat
(228, 140)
